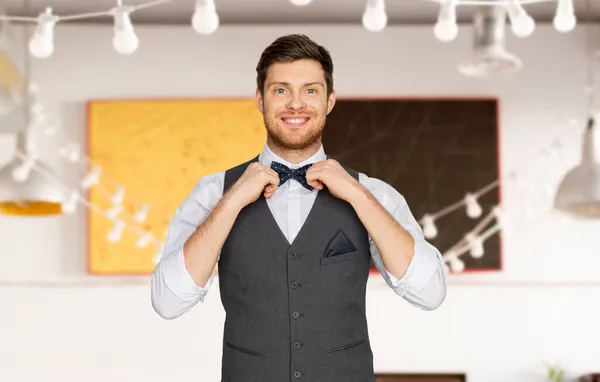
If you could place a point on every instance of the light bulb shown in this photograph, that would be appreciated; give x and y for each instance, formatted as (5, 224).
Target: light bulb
(476, 245)
(142, 213)
(457, 265)
(114, 212)
(445, 30)
(374, 19)
(21, 173)
(144, 240)
(565, 22)
(205, 20)
(125, 42)
(91, 179)
(41, 46)
(429, 229)
(523, 25)
(477, 250)
(117, 198)
(474, 210)
(115, 233)
(300, 3)
(70, 205)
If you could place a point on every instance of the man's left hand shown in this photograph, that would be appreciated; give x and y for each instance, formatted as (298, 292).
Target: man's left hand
(331, 174)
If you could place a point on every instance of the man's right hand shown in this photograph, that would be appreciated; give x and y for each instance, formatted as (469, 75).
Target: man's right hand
(256, 180)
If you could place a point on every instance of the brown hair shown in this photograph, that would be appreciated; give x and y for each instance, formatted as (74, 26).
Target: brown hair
(291, 48)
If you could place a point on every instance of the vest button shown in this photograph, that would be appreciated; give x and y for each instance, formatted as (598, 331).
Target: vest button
(297, 374)
(297, 345)
(295, 315)
(294, 285)
(293, 255)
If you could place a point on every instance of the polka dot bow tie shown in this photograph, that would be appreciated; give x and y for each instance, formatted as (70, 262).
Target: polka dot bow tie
(286, 173)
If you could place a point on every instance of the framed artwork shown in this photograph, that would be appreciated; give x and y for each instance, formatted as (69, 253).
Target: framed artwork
(432, 151)
(157, 150)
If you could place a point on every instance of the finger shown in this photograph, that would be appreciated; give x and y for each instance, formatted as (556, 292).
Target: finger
(269, 190)
(274, 180)
(271, 186)
(314, 179)
(315, 184)
(269, 175)
(316, 166)
(312, 174)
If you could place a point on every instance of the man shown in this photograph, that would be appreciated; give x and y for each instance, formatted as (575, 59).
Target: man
(293, 233)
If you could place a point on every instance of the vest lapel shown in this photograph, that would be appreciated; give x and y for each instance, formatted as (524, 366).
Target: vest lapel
(273, 225)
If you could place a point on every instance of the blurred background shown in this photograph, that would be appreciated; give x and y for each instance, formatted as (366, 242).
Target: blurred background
(482, 113)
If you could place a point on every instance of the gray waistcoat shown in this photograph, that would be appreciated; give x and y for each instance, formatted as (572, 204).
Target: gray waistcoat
(293, 313)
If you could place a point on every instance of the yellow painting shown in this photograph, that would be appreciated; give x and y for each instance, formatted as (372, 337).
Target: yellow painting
(157, 150)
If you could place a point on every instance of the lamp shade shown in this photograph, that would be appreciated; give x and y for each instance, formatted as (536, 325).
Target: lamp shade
(490, 56)
(578, 193)
(35, 196)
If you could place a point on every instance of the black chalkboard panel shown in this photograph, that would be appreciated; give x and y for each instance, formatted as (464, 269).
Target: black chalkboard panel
(433, 151)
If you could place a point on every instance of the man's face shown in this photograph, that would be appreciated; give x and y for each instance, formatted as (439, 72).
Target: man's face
(295, 104)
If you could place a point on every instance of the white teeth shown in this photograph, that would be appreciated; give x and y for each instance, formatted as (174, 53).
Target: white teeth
(295, 121)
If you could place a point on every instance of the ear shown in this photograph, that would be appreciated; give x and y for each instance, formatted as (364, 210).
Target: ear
(259, 101)
(330, 101)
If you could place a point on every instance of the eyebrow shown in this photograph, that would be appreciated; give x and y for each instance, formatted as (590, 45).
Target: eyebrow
(288, 84)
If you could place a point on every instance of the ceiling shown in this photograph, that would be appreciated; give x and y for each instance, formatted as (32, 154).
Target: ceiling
(280, 11)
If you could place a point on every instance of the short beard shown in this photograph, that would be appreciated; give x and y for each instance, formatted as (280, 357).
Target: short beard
(312, 138)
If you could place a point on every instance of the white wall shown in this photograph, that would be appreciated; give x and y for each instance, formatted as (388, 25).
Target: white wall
(58, 325)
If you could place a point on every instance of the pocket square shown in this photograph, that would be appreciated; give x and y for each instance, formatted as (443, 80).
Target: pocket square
(339, 245)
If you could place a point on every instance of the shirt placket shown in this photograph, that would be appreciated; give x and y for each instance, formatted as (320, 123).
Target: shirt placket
(294, 210)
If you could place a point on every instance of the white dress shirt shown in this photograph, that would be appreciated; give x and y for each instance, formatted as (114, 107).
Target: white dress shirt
(174, 292)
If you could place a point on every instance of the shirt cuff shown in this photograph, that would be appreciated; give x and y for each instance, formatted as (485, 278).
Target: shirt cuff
(179, 280)
(421, 269)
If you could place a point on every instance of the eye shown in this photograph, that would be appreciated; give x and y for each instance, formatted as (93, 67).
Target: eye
(311, 91)
(279, 91)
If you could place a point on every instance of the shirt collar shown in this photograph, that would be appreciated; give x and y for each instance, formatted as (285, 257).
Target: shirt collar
(267, 156)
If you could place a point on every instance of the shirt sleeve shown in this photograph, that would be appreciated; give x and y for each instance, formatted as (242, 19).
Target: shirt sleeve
(173, 290)
(424, 283)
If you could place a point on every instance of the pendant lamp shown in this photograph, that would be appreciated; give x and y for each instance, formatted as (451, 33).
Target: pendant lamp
(490, 56)
(578, 194)
(31, 195)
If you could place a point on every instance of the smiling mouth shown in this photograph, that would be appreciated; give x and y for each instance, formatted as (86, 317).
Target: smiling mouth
(295, 121)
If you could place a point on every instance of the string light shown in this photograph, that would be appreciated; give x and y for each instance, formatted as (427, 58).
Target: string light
(205, 20)
(125, 40)
(473, 241)
(121, 220)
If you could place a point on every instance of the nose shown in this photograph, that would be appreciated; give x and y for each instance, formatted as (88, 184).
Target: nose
(296, 102)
